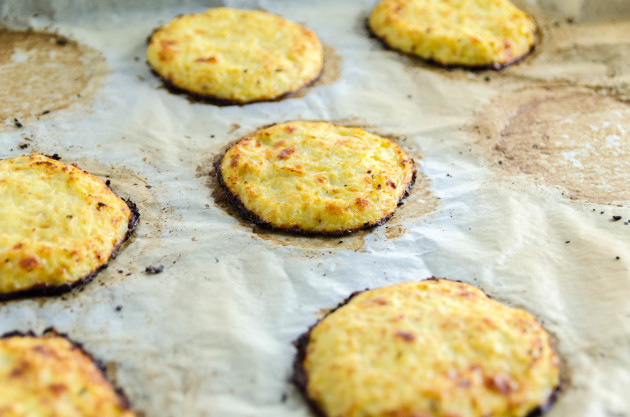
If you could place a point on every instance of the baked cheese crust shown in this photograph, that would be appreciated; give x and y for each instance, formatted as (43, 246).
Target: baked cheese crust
(431, 348)
(471, 33)
(236, 56)
(316, 178)
(58, 225)
(50, 376)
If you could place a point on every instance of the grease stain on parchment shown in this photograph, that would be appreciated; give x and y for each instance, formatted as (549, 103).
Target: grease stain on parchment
(41, 73)
(330, 72)
(419, 203)
(128, 184)
(569, 137)
(581, 53)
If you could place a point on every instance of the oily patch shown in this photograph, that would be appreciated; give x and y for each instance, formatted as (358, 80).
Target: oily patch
(44, 72)
(330, 72)
(155, 219)
(573, 138)
(594, 53)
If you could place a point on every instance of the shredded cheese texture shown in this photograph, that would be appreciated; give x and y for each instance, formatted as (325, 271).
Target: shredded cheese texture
(316, 177)
(236, 55)
(58, 224)
(49, 376)
(431, 348)
(473, 33)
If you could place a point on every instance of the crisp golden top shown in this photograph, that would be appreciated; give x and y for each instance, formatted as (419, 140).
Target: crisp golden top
(49, 376)
(472, 33)
(236, 55)
(316, 177)
(431, 348)
(58, 224)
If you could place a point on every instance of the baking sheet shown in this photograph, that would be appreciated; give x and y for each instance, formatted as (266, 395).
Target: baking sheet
(211, 335)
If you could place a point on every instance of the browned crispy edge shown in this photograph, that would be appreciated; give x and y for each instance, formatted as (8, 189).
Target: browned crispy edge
(40, 290)
(51, 332)
(254, 218)
(474, 68)
(299, 377)
(221, 102)
(218, 101)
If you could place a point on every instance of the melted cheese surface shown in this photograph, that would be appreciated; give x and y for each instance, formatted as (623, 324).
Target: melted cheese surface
(455, 32)
(431, 348)
(58, 224)
(49, 376)
(317, 177)
(236, 55)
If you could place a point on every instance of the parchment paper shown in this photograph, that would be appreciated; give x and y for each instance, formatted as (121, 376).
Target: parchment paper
(211, 335)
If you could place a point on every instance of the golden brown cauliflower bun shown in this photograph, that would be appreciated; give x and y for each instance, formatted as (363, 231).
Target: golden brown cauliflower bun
(316, 178)
(59, 225)
(434, 348)
(50, 376)
(235, 56)
(469, 33)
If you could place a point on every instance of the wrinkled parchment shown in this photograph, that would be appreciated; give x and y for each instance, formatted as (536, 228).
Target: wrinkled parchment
(211, 335)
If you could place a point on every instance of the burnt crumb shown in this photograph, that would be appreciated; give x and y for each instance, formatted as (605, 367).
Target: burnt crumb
(148, 186)
(61, 41)
(486, 78)
(500, 162)
(45, 112)
(152, 270)
(22, 145)
(69, 216)
(118, 308)
(616, 257)
(100, 205)
(616, 218)
(601, 212)
(340, 242)
(108, 183)
(54, 156)
(570, 20)
(17, 123)
(568, 241)
(120, 271)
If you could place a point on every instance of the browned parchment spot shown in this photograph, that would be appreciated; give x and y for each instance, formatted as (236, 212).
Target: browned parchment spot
(154, 219)
(594, 53)
(43, 72)
(330, 73)
(569, 137)
(420, 203)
